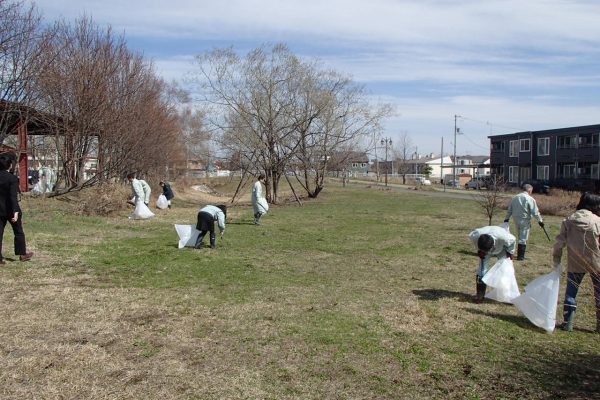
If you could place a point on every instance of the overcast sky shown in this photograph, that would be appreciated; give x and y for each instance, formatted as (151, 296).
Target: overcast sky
(503, 66)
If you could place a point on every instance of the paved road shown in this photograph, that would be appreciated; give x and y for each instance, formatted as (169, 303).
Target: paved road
(433, 191)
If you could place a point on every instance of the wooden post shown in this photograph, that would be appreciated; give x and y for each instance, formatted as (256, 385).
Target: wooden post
(22, 157)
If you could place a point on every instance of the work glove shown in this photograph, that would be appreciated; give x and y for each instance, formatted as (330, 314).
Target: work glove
(509, 255)
(481, 254)
(506, 220)
(541, 224)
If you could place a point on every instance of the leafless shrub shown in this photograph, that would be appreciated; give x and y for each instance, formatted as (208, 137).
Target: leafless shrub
(558, 202)
(491, 200)
(102, 200)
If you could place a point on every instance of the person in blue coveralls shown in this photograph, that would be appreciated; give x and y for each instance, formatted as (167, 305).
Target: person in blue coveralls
(490, 241)
(522, 208)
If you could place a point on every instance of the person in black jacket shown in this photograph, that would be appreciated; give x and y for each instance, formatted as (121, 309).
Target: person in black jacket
(10, 211)
(167, 192)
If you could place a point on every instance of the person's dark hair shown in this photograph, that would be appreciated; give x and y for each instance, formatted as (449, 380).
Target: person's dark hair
(485, 242)
(261, 176)
(223, 208)
(590, 202)
(5, 162)
(131, 175)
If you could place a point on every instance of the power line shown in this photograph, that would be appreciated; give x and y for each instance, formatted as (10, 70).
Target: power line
(491, 124)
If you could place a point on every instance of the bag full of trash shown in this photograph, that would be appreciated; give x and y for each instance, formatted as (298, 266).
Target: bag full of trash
(141, 211)
(162, 202)
(263, 206)
(188, 234)
(501, 279)
(538, 303)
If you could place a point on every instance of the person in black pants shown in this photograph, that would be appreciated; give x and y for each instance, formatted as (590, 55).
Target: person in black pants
(167, 192)
(10, 211)
(206, 223)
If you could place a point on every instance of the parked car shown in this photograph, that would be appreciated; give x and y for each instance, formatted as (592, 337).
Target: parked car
(476, 183)
(422, 181)
(540, 186)
(452, 183)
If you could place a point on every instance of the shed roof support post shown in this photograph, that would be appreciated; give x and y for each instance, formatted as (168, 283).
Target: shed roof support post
(23, 160)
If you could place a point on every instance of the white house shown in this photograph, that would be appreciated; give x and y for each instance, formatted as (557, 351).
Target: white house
(437, 165)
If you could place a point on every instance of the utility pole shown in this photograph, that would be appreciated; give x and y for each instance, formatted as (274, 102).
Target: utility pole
(454, 161)
(376, 160)
(442, 165)
(386, 142)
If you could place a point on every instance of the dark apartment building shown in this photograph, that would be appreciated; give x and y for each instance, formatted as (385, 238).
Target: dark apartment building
(568, 157)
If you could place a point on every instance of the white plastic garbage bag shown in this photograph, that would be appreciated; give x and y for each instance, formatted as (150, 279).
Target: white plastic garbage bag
(162, 202)
(263, 206)
(501, 278)
(141, 211)
(538, 303)
(188, 234)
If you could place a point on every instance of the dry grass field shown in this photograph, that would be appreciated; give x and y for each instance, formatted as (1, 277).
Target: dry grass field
(363, 293)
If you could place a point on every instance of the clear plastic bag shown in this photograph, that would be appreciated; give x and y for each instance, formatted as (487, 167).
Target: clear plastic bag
(501, 279)
(162, 202)
(506, 226)
(263, 206)
(141, 211)
(540, 299)
(188, 234)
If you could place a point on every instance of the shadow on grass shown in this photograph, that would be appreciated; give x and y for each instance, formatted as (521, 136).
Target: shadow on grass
(438, 294)
(467, 252)
(521, 321)
(518, 320)
(567, 375)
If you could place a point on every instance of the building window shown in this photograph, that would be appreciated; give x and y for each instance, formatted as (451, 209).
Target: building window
(587, 170)
(513, 174)
(513, 148)
(525, 173)
(543, 146)
(497, 146)
(566, 142)
(589, 140)
(567, 170)
(594, 171)
(525, 145)
(543, 172)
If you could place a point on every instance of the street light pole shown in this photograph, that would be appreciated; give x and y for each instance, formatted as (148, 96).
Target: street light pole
(386, 142)
(454, 160)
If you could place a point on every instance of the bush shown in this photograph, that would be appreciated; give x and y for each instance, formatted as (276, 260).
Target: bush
(104, 200)
(558, 202)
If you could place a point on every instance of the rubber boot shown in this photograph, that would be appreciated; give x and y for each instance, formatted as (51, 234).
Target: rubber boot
(569, 318)
(521, 252)
(213, 241)
(199, 242)
(481, 288)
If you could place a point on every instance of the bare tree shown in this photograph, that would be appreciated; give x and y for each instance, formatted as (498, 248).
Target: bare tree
(403, 153)
(21, 44)
(333, 118)
(102, 101)
(254, 105)
(490, 200)
(196, 136)
(278, 113)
